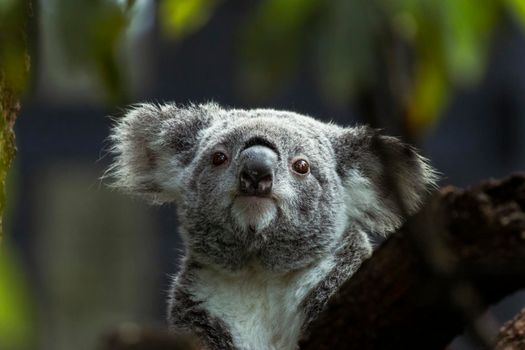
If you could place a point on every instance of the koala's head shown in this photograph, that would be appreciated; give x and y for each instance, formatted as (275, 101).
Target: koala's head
(273, 187)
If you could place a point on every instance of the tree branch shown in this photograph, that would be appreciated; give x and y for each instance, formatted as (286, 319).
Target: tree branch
(396, 301)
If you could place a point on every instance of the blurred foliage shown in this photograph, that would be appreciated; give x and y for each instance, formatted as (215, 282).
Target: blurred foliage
(518, 9)
(447, 42)
(450, 41)
(279, 27)
(16, 325)
(14, 65)
(13, 58)
(90, 34)
(181, 17)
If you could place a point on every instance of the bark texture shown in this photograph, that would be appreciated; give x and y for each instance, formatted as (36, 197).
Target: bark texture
(462, 252)
(512, 334)
(14, 69)
(9, 108)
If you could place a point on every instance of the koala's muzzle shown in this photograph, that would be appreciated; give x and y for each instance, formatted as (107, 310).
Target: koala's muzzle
(257, 165)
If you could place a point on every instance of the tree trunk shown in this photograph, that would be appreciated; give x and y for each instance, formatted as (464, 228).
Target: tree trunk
(9, 107)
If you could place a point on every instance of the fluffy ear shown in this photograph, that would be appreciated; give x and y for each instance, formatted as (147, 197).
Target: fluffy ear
(153, 144)
(383, 178)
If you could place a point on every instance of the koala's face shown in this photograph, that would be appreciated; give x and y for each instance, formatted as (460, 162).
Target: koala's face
(262, 186)
(275, 188)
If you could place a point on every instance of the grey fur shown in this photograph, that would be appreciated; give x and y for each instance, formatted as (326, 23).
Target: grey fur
(164, 154)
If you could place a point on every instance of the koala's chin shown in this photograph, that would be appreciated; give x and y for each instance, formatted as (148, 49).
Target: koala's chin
(253, 213)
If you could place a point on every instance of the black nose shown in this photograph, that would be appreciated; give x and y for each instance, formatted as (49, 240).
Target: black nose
(257, 170)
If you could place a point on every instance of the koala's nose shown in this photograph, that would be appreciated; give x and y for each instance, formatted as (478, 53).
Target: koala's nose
(257, 170)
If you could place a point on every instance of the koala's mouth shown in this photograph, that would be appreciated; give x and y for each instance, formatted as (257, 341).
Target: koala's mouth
(254, 213)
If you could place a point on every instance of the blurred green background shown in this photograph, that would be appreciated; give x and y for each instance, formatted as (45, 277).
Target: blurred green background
(78, 260)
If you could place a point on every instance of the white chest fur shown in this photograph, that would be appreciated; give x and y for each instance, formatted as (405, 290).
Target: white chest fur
(260, 308)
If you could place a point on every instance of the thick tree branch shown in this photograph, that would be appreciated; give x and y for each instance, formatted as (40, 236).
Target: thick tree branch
(395, 301)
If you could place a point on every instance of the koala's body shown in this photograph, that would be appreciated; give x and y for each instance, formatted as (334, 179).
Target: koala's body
(275, 210)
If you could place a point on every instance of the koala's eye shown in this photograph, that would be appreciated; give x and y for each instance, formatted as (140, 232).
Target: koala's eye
(301, 166)
(218, 158)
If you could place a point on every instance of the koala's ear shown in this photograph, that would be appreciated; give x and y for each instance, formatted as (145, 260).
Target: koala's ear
(383, 178)
(152, 145)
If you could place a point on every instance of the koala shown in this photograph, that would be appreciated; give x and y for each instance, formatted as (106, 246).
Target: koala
(276, 211)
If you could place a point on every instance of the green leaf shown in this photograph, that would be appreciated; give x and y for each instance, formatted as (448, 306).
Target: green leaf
(450, 41)
(182, 17)
(517, 8)
(430, 91)
(467, 30)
